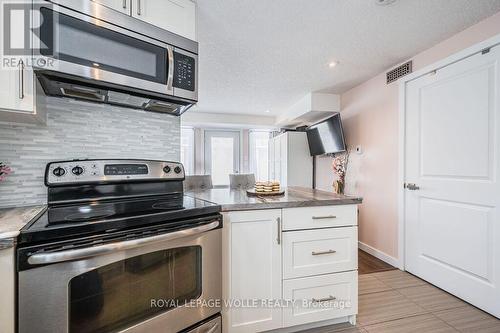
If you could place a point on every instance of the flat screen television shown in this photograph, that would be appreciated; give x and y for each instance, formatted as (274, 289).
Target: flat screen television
(326, 137)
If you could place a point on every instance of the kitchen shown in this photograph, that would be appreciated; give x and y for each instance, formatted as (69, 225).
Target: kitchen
(136, 136)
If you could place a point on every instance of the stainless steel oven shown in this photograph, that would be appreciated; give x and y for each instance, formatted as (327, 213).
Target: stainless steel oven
(154, 283)
(94, 53)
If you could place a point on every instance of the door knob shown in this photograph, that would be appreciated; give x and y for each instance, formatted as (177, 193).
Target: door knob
(412, 187)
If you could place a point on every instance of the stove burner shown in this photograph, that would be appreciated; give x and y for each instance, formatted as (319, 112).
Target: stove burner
(90, 215)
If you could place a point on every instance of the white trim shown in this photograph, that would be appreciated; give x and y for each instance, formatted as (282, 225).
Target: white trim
(378, 254)
(465, 53)
(317, 324)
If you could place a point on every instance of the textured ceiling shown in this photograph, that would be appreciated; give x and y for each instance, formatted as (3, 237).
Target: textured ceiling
(258, 55)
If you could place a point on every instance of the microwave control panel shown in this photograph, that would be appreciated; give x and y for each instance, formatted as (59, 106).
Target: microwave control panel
(184, 71)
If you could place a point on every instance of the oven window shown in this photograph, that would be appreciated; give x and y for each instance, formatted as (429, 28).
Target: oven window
(90, 45)
(120, 294)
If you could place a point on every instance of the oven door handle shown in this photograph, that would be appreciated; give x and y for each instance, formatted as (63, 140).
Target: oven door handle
(69, 255)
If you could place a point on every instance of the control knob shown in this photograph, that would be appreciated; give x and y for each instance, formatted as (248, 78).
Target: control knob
(177, 169)
(166, 169)
(78, 170)
(58, 172)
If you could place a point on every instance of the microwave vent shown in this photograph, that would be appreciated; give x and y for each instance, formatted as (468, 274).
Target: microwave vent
(127, 99)
(83, 93)
(159, 106)
(399, 71)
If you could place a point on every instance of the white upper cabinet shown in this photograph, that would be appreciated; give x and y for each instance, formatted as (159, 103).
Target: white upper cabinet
(17, 84)
(124, 6)
(177, 16)
(16, 89)
(290, 161)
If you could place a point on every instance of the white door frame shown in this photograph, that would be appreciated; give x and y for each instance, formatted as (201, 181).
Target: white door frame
(470, 51)
(237, 148)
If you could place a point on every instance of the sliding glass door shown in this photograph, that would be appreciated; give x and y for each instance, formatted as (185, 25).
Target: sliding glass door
(222, 155)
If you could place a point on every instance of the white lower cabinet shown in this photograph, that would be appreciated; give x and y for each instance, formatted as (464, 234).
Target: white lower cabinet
(312, 271)
(252, 270)
(7, 285)
(321, 298)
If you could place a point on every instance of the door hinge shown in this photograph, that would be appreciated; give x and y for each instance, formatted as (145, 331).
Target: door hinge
(486, 50)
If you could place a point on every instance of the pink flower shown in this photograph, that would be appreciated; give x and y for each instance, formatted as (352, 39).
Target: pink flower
(339, 165)
(4, 171)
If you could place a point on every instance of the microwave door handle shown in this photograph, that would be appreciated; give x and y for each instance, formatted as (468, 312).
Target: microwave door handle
(69, 255)
(170, 74)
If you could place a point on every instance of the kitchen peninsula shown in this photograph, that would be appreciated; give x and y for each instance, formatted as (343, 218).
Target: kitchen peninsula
(300, 246)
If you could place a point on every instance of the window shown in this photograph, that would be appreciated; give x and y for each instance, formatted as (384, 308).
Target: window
(187, 149)
(259, 154)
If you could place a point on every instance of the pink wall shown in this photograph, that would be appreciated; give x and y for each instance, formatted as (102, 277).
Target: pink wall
(370, 113)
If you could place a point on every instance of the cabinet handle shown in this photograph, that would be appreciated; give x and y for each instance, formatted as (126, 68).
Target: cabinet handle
(326, 299)
(138, 7)
(318, 253)
(124, 4)
(324, 217)
(21, 79)
(278, 237)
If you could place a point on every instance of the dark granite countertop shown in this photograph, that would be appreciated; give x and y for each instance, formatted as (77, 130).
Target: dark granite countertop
(232, 200)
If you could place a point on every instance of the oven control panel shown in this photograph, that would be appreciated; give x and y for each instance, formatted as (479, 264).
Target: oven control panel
(102, 171)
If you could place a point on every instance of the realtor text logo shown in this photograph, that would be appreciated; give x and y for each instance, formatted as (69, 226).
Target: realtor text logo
(27, 28)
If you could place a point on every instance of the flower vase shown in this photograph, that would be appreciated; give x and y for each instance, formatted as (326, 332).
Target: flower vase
(338, 186)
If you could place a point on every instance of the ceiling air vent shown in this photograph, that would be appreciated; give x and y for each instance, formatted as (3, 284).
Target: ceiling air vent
(398, 72)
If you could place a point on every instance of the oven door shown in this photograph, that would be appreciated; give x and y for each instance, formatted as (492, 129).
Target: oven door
(162, 283)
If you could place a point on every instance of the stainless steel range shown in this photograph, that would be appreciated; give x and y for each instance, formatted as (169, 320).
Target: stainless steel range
(120, 249)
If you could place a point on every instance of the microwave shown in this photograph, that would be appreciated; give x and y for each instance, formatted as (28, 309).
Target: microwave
(91, 52)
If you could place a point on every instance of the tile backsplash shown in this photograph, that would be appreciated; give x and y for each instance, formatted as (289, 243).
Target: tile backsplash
(80, 130)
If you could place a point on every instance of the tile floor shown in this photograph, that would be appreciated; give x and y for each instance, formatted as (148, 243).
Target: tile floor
(398, 302)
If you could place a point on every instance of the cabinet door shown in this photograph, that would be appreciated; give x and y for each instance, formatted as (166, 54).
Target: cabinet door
(277, 158)
(17, 89)
(7, 283)
(284, 160)
(123, 6)
(16, 81)
(271, 159)
(253, 270)
(177, 16)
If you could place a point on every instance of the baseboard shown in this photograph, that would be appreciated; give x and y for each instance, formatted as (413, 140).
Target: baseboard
(379, 254)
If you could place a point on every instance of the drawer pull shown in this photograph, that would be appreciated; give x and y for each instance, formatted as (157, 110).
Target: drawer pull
(314, 253)
(324, 217)
(326, 299)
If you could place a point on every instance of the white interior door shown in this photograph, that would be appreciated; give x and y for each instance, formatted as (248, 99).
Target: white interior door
(222, 155)
(452, 234)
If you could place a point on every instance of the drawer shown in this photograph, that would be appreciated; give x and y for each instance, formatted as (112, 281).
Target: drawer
(320, 298)
(320, 251)
(319, 217)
